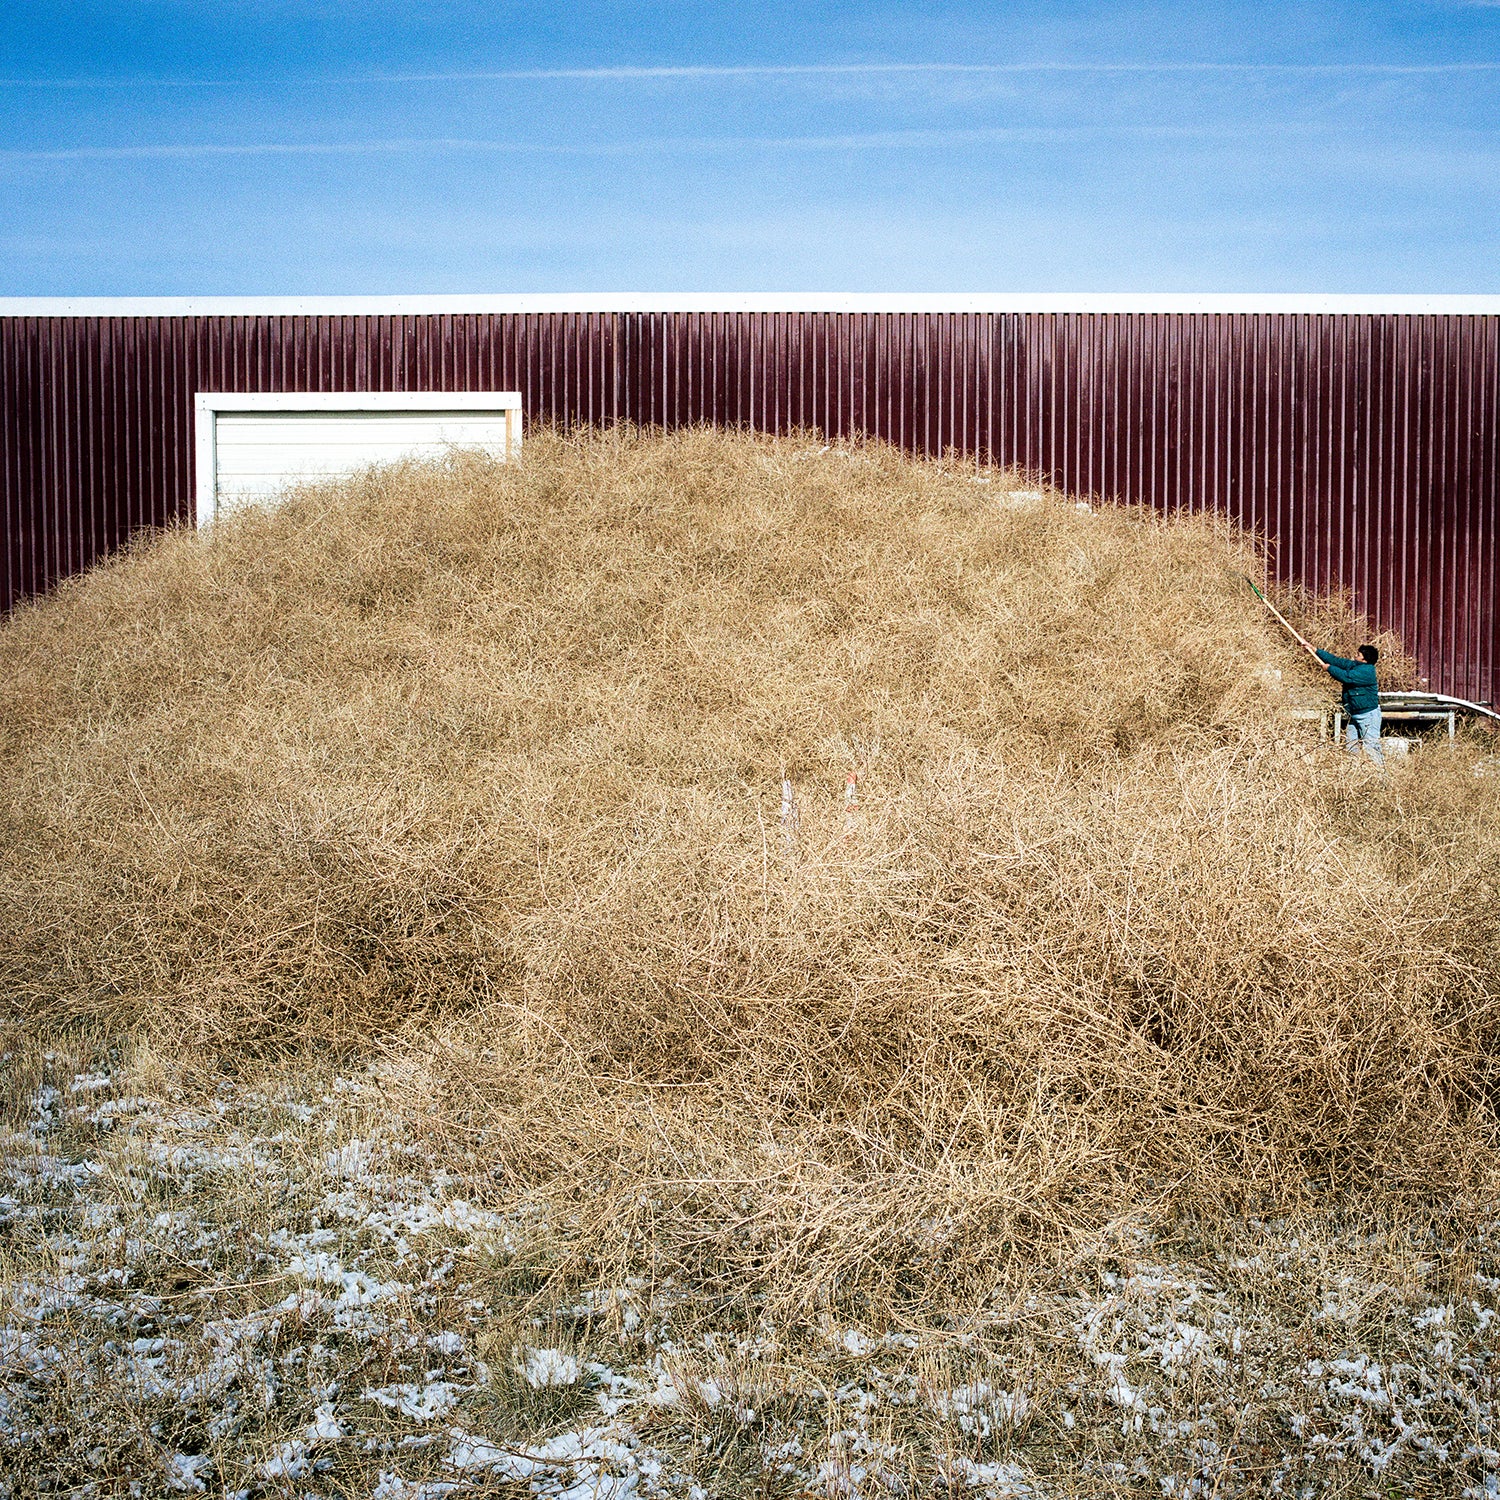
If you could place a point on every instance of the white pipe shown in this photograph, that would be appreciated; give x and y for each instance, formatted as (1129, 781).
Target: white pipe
(1477, 708)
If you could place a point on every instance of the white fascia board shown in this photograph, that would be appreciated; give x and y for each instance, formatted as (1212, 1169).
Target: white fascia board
(293, 401)
(750, 302)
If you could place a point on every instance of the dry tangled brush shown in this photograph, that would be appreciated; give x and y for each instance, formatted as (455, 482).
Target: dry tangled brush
(483, 764)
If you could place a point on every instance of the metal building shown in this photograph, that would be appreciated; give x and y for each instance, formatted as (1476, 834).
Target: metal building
(1361, 436)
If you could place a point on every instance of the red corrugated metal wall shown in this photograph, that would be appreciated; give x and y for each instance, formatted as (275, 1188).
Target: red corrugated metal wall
(1366, 446)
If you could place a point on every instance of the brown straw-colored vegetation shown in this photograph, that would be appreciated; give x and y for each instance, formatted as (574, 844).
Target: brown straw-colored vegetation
(479, 766)
(438, 1062)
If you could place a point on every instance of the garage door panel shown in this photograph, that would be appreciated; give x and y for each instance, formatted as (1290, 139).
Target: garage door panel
(253, 454)
(273, 458)
(318, 429)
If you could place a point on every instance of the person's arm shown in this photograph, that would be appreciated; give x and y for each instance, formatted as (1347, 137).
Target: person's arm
(1339, 668)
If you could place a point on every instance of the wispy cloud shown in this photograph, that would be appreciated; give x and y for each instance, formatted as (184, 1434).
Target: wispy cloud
(876, 140)
(689, 73)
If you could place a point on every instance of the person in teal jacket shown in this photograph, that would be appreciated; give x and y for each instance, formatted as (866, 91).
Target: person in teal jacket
(1361, 698)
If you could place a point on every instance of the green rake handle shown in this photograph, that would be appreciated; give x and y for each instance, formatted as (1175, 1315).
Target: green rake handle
(1290, 628)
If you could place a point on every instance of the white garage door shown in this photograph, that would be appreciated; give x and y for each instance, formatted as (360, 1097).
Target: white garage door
(253, 447)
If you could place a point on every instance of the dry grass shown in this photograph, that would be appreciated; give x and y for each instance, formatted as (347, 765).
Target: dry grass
(480, 766)
(279, 1286)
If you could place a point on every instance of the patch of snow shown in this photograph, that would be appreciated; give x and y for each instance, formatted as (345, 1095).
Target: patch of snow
(352, 1161)
(994, 1481)
(183, 1470)
(549, 1367)
(981, 1409)
(393, 1487)
(293, 1459)
(426, 1403)
(356, 1288)
(1185, 1347)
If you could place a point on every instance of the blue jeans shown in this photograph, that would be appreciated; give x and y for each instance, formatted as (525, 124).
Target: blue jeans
(1364, 729)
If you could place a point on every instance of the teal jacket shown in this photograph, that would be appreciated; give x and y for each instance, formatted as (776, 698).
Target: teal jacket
(1358, 678)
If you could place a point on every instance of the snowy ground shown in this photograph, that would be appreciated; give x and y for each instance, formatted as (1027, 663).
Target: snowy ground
(276, 1291)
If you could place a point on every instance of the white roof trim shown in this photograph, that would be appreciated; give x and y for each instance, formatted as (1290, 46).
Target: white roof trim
(746, 302)
(360, 401)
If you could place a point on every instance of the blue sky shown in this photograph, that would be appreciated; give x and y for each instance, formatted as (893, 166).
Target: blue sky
(305, 146)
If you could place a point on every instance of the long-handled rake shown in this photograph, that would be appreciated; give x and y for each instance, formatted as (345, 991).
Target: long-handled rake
(1291, 630)
(1436, 698)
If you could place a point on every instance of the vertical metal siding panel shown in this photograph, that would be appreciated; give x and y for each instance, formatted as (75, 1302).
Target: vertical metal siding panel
(1460, 415)
(984, 390)
(1489, 492)
(972, 390)
(10, 489)
(70, 412)
(1263, 518)
(1455, 488)
(1188, 395)
(1413, 521)
(932, 356)
(1338, 472)
(771, 329)
(927, 382)
(1486, 676)
(786, 364)
(1270, 443)
(1439, 556)
(1401, 472)
(745, 335)
(747, 349)
(1158, 460)
(887, 351)
(1440, 496)
(60, 539)
(1075, 448)
(1457, 410)
(1479, 423)
(47, 519)
(860, 413)
(1304, 375)
(776, 383)
(1176, 400)
(1231, 496)
(14, 403)
(27, 492)
(753, 332)
(1038, 391)
(1364, 447)
(164, 340)
(783, 343)
(1211, 490)
(1309, 440)
(1336, 446)
(12, 583)
(35, 447)
(101, 520)
(1060, 455)
(1377, 448)
(1106, 407)
(918, 382)
(949, 382)
(28, 455)
(153, 473)
(1276, 445)
(1205, 486)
